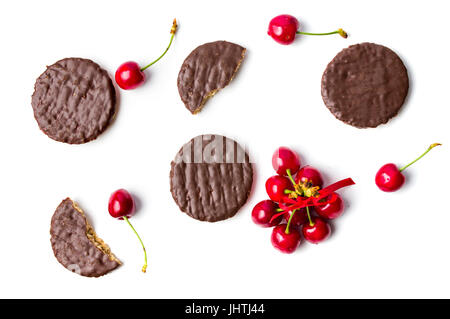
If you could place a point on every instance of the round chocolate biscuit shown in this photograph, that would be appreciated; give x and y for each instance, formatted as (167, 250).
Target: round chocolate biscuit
(208, 69)
(211, 178)
(365, 85)
(76, 245)
(74, 101)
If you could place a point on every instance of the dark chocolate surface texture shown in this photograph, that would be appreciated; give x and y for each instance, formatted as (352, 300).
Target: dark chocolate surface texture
(74, 101)
(365, 85)
(211, 178)
(208, 69)
(75, 244)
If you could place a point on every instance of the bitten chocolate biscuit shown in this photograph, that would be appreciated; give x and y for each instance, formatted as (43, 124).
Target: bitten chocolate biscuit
(208, 69)
(365, 85)
(74, 101)
(211, 178)
(76, 245)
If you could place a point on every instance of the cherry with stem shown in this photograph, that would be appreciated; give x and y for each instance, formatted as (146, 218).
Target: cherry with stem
(284, 159)
(130, 75)
(310, 176)
(285, 242)
(121, 206)
(317, 231)
(285, 27)
(263, 212)
(277, 187)
(389, 177)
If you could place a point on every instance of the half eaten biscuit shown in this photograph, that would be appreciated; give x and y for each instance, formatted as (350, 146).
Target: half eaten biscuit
(208, 69)
(76, 245)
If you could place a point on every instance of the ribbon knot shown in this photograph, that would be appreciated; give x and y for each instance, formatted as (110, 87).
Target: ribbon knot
(323, 198)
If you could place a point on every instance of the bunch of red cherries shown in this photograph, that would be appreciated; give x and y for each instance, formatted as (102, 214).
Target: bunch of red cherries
(295, 184)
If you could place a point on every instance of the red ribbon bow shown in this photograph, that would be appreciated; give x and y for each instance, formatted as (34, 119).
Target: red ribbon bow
(301, 201)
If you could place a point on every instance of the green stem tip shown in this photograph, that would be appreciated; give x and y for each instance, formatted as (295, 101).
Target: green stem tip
(144, 268)
(429, 149)
(172, 32)
(341, 32)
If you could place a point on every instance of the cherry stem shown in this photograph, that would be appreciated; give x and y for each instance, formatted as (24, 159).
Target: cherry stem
(172, 31)
(309, 216)
(341, 32)
(429, 149)
(144, 268)
(288, 171)
(289, 222)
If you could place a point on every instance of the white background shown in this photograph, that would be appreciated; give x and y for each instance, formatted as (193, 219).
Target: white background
(385, 245)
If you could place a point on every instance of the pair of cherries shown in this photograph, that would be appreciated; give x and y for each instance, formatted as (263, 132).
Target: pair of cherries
(128, 76)
(282, 29)
(286, 237)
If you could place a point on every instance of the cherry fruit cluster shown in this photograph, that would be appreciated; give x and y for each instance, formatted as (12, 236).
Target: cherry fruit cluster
(295, 194)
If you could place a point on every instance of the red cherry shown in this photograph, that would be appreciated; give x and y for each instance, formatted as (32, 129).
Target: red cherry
(129, 76)
(286, 243)
(332, 210)
(283, 28)
(276, 186)
(284, 159)
(389, 178)
(121, 204)
(299, 218)
(317, 232)
(309, 174)
(263, 212)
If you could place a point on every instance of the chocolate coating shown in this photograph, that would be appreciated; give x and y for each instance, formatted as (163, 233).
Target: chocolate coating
(74, 101)
(75, 244)
(365, 85)
(211, 178)
(209, 68)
